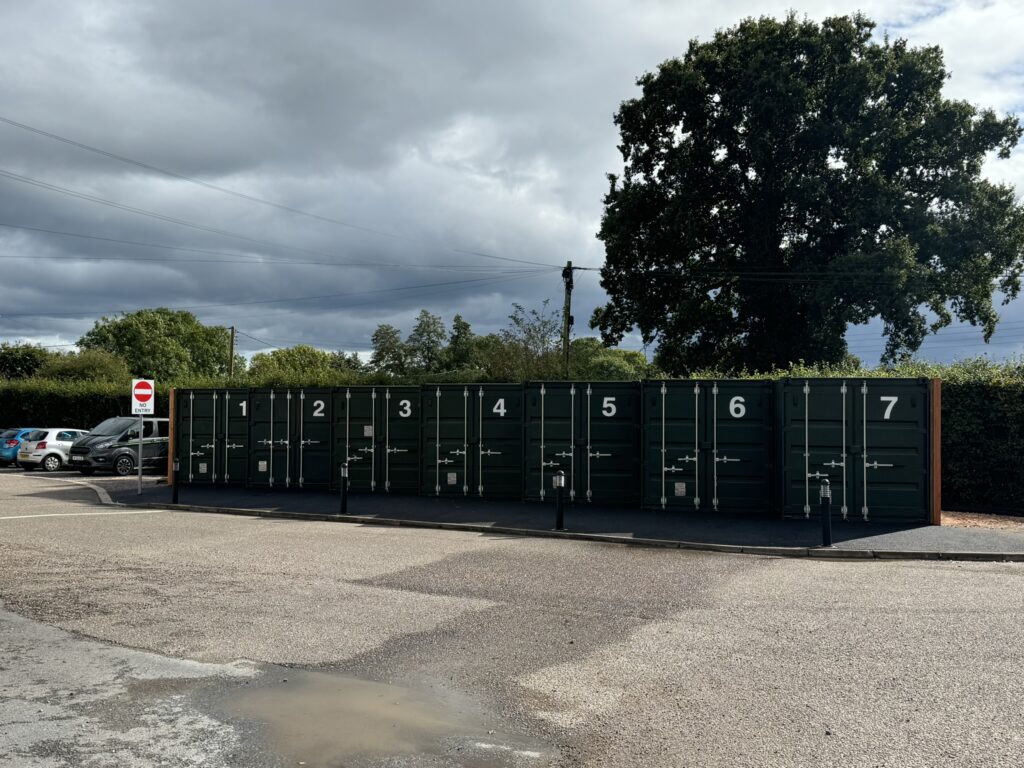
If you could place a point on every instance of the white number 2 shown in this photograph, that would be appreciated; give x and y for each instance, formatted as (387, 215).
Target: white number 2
(608, 407)
(499, 407)
(891, 399)
(318, 408)
(737, 409)
(405, 409)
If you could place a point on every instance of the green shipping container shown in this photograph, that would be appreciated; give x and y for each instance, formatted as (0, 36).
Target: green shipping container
(589, 431)
(212, 435)
(869, 438)
(291, 438)
(709, 445)
(376, 431)
(472, 440)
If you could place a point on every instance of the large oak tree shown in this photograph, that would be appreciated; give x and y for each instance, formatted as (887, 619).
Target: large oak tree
(787, 179)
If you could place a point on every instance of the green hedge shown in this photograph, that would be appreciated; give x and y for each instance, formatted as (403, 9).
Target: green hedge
(982, 419)
(82, 404)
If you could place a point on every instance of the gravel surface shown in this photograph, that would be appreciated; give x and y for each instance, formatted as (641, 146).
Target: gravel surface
(603, 655)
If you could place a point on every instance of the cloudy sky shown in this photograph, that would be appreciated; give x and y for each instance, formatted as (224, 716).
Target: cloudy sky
(445, 155)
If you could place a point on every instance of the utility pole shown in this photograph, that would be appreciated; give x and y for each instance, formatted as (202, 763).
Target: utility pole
(566, 316)
(231, 355)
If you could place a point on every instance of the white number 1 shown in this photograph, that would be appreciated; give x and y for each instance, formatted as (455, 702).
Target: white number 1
(242, 405)
(891, 399)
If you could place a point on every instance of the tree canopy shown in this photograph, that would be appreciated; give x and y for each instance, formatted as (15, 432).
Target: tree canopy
(162, 343)
(787, 179)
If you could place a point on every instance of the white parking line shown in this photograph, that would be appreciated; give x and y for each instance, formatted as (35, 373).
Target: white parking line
(85, 514)
(101, 492)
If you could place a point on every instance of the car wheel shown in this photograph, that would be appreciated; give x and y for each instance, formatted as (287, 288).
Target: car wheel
(87, 471)
(52, 463)
(124, 466)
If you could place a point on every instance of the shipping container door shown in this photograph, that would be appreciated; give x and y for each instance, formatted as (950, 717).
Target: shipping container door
(446, 436)
(200, 438)
(673, 424)
(311, 438)
(234, 436)
(271, 425)
(499, 440)
(890, 449)
(551, 428)
(355, 436)
(740, 463)
(611, 430)
(817, 415)
(398, 452)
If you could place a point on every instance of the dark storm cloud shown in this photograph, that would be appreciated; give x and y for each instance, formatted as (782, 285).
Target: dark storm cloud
(450, 126)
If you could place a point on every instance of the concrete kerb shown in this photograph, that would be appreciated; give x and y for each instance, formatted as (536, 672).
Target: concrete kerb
(832, 553)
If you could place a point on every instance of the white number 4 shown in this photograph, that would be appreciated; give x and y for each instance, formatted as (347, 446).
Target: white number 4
(891, 400)
(499, 407)
(608, 407)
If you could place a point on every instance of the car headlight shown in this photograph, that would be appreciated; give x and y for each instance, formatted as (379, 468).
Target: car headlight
(103, 446)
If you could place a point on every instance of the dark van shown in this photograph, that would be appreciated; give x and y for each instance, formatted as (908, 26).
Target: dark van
(113, 446)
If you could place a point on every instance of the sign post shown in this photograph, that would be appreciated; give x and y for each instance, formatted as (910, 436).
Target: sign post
(143, 404)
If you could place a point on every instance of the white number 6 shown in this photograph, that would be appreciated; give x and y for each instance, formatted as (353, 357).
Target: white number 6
(891, 399)
(608, 407)
(736, 408)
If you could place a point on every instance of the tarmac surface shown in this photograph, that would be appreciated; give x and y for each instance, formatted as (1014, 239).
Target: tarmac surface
(134, 636)
(707, 527)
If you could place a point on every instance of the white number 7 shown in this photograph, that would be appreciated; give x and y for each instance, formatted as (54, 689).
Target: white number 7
(891, 400)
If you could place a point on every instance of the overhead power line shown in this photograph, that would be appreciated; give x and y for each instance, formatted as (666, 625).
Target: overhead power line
(253, 198)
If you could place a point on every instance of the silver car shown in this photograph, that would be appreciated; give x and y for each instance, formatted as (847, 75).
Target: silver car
(47, 448)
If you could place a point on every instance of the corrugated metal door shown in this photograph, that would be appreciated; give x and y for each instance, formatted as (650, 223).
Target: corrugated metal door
(550, 434)
(197, 439)
(446, 434)
(497, 437)
(674, 418)
(355, 436)
(741, 429)
(312, 441)
(611, 430)
(233, 437)
(271, 431)
(398, 454)
(869, 437)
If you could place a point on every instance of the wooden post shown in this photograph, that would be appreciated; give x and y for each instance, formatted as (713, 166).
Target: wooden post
(935, 500)
(170, 434)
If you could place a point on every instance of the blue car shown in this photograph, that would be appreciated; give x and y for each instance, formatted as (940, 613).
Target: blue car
(10, 442)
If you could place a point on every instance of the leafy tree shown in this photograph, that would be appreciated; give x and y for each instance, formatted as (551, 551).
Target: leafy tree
(786, 179)
(347, 362)
(531, 344)
(292, 364)
(390, 355)
(459, 355)
(590, 360)
(426, 343)
(19, 361)
(87, 365)
(162, 343)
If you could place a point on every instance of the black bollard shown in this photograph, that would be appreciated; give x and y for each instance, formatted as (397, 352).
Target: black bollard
(825, 494)
(344, 490)
(559, 483)
(174, 481)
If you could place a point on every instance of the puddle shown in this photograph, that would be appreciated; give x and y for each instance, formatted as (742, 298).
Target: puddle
(322, 720)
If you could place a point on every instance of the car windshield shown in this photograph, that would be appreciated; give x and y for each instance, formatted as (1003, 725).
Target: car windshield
(114, 426)
(39, 434)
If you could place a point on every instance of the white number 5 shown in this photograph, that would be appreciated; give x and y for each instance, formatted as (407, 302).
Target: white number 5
(891, 399)
(608, 407)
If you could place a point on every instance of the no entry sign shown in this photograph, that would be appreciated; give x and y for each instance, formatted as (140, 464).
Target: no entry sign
(143, 397)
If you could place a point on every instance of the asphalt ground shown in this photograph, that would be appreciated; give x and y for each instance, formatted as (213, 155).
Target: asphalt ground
(705, 527)
(129, 633)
